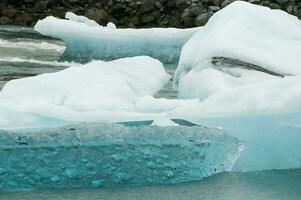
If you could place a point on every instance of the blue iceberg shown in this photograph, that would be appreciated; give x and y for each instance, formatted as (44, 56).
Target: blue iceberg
(86, 41)
(104, 154)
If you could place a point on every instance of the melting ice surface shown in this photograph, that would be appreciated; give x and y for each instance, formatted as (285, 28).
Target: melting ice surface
(104, 154)
(86, 40)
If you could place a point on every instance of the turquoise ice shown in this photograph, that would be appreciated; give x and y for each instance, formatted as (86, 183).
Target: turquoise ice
(104, 154)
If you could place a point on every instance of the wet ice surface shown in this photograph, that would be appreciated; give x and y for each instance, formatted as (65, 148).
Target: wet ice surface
(265, 185)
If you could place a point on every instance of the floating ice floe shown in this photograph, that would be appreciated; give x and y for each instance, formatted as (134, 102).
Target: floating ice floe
(87, 41)
(93, 92)
(244, 60)
(103, 154)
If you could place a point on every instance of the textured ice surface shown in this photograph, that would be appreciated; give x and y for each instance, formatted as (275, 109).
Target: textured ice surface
(237, 63)
(92, 92)
(101, 154)
(86, 42)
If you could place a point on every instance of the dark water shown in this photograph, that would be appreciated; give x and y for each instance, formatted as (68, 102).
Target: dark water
(24, 53)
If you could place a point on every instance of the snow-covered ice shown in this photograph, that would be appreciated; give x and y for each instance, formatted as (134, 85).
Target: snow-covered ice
(92, 92)
(104, 154)
(81, 19)
(244, 60)
(86, 41)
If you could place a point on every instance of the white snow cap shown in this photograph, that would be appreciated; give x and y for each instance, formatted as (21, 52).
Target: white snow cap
(248, 32)
(82, 19)
(111, 25)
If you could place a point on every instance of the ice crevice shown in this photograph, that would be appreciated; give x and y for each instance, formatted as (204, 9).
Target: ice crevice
(225, 62)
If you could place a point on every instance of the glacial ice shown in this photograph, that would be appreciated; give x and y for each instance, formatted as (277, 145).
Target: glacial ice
(92, 92)
(86, 42)
(248, 86)
(244, 57)
(271, 141)
(104, 154)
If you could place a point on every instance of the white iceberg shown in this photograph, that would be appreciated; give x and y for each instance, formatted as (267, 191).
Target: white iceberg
(92, 92)
(87, 41)
(244, 60)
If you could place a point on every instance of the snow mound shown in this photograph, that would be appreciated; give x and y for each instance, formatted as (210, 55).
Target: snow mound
(92, 92)
(86, 40)
(244, 57)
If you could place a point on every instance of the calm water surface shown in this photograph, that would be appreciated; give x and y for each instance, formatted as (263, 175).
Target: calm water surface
(265, 185)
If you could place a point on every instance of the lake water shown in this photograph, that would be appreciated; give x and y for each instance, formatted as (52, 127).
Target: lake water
(263, 185)
(24, 53)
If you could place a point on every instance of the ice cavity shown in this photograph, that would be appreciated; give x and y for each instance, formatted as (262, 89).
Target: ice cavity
(103, 154)
(86, 40)
(244, 60)
(92, 92)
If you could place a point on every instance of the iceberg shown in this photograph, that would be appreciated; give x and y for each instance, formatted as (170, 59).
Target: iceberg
(92, 92)
(86, 41)
(103, 155)
(244, 57)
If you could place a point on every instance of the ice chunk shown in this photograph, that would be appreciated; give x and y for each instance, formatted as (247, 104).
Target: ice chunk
(92, 92)
(81, 19)
(111, 25)
(101, 154)
(85, 42)
(249, 33)
(236, 63)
